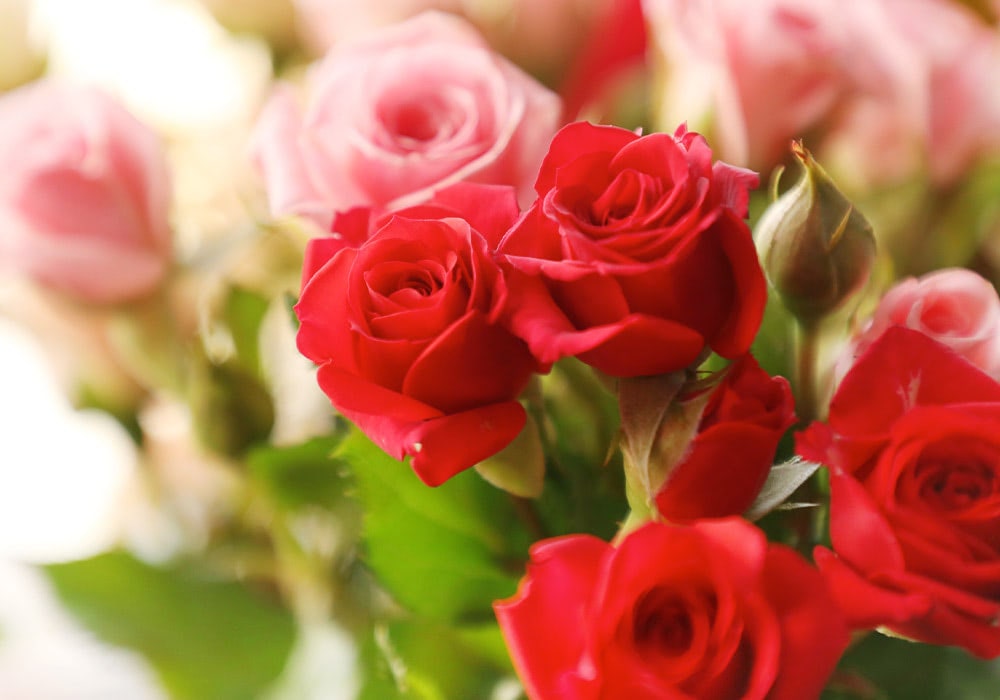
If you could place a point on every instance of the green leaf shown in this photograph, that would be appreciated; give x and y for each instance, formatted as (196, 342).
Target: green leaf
(519, 468)
(205, 638)
(577, 414)
(447, 552)
(232, 409)
(418, 660)
(888, 668)
(303, 475)
(243, 311)
(782, 481)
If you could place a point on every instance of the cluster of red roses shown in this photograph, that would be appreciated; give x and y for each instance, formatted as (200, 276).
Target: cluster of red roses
(427, 323)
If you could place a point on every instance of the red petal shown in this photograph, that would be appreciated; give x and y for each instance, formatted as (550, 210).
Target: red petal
(867, 604)
(443, 447)
(721, 475)
(859, 530)
(813, 630)
(544, 623)
(575, 139)
(471, 364)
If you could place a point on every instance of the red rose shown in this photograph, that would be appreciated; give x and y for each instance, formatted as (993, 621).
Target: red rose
(489, 209)
(710, 610)
(404, 330)
(635, 255)
(913, 445)
(729, 458)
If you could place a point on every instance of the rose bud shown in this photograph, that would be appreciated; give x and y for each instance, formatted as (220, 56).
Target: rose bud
(724, 466)
(816, 248)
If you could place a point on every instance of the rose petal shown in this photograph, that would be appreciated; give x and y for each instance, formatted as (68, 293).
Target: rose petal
(543, 623)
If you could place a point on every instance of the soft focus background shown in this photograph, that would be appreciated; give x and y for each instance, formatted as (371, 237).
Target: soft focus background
(115, 483)
(71, 483)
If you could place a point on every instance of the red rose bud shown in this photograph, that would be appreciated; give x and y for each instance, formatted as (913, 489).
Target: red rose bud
(710, 610)
(724, 467)
(816, 248)
(704, 448)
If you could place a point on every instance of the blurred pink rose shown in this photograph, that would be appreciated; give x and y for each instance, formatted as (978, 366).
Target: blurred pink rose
(901, 84)
(761, 75)
(955, 307)
(938, 108)
(84, 194)
(407, 111)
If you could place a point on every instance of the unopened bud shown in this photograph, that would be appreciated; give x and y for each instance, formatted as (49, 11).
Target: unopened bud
(815, 247)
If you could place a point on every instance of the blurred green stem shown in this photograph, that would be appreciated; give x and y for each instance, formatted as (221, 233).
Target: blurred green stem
(807, 343)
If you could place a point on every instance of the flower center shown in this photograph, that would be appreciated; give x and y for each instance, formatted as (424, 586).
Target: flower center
(949, 486)
(414, 121)
(662, 622)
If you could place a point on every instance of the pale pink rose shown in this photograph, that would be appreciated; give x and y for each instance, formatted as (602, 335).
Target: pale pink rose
(759, 75)
(84, 194)
(900, 85)
(953, 306)
(389, 120)
(938, 108)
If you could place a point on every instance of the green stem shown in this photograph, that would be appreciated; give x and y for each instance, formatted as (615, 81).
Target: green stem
(808, 406)
(806, 341)
(305, 588)
(633, 521)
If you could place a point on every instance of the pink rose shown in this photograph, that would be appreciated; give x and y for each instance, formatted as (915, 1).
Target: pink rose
(910, 82)
(84, 194)
(761, 77)
(955, 307)
(392, 118)
(937, 107)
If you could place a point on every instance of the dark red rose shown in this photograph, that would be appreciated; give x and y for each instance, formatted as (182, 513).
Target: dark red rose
(913, 446)
(404, 330)
(727, 462)
(635, 256)
(710, 610)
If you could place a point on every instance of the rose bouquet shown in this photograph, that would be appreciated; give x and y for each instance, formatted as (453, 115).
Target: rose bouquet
(529, 390)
